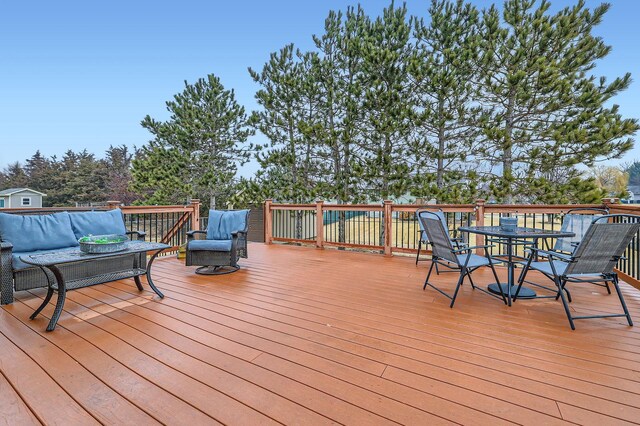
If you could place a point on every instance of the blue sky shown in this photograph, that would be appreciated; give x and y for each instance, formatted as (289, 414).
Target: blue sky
(82, 74)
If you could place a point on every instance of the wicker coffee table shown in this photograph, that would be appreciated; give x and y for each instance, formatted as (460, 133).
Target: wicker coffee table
(49, 264)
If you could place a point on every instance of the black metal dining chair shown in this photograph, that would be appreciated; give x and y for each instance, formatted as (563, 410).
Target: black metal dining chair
(593, 260)
(444, 253)
(458, 242)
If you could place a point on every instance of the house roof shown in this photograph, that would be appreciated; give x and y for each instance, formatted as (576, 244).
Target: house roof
(11, 191)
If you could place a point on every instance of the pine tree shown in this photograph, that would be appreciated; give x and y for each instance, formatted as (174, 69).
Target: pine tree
(118, 162)
(289, 100)
(546, 108)
(443, 68)
(387, 109)
(196, 152)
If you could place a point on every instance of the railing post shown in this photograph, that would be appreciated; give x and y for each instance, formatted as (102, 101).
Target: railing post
(480, 222)
(113, 204)
(319, 224)
(268, 222)
(607, 202)
(387, 217)
(195, 214)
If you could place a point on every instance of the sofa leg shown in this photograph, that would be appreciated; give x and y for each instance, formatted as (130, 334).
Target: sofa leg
(6, 292)
(216, 270)
(6, 297)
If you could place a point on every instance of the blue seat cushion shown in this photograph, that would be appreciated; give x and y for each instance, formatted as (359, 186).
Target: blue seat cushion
(19, 264)
(210, 245)
(546, 267)
(97, 223)
(474, 262)
(223, 223)
(37, 232)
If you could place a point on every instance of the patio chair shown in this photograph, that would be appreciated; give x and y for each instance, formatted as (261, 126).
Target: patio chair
(424, 240)
(444, 253)
(577, 221)
(593, 260)
(225, 242)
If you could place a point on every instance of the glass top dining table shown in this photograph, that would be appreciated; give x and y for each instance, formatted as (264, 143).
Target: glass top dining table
(510, 240)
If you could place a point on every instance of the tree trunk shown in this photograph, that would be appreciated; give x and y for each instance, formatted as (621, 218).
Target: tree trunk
(441, 146)
(507, 152)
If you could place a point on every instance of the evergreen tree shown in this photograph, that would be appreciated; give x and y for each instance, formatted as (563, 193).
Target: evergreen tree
(387, 108)
(443, 68)
(14, 176)
(633, 170)
(547, 110)
(289, 99)
(118, 163)
(195, 152)
(340, 64)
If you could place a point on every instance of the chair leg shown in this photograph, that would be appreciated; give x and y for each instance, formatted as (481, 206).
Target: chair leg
(463, 272)
(428, 275)
(495, 275)
(473, 286)
(606, 284)
(624, 305)
(418, 255)
(564, 288)
(564, 302)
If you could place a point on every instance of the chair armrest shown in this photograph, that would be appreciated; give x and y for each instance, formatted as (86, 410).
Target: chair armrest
(140, 235)
(191, 234)
(472, 248)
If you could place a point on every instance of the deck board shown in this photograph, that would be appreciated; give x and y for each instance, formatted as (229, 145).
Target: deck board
(310, 336)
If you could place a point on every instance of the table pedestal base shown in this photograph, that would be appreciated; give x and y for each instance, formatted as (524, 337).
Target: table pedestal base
(525, 292)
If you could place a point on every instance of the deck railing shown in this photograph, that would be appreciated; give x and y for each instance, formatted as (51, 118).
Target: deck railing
(392, 228)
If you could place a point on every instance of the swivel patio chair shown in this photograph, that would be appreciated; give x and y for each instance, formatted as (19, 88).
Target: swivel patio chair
(444, 253)
(593, 260)
(225, 242)
(424, 240)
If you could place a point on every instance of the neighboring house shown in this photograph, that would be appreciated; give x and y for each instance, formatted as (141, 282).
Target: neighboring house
(14, 198)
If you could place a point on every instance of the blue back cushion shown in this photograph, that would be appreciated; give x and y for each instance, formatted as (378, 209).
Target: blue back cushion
(223, 223)
(97, 223)
(37, 232)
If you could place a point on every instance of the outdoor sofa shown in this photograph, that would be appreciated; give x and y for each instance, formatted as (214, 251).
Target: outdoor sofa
(22, 235)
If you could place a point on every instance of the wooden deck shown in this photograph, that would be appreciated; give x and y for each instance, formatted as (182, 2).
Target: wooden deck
(306, 336)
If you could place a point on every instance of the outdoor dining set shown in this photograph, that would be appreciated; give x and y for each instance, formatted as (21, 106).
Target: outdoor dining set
(586, 250)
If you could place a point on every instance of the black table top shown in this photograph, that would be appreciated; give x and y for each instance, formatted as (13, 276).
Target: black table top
(520, 232)
(70, 256)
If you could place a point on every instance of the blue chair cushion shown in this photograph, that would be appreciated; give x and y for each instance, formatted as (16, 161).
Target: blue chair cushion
(224, 223)
(210, 245)
(97, 223)
(37, 232)
(545, 267)
(475, 260)
(19, 264)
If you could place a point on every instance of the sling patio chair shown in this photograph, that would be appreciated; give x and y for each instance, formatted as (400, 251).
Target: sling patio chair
(444, 253)
(424, 239)
(577, 221)
(592, 261)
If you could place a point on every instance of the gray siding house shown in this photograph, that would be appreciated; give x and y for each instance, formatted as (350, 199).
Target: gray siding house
(14, 198)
